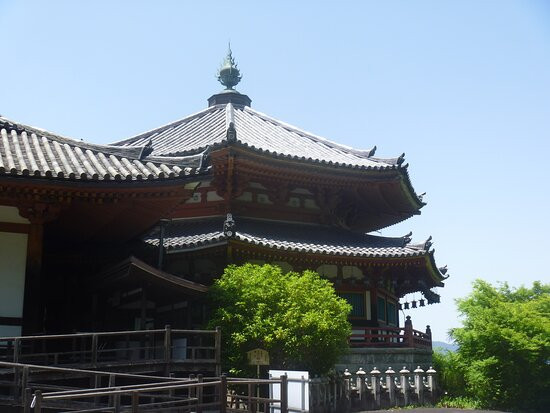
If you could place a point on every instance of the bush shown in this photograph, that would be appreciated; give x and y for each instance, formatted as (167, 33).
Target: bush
(297, 318)
(504, 346)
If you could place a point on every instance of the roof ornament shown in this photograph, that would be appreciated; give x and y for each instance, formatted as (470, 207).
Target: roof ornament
(229, 226)
(431, 296)
(401, 159)
(428, 243)
(421, 196)
(228, 74)
(407, 238)
(231, 135)
(147, 149)
(372, 152)
(443, 270)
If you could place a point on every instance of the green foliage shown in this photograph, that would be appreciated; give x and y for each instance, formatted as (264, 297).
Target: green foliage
(504, 346)
(298, 318)
(450, 374)
(458, 402)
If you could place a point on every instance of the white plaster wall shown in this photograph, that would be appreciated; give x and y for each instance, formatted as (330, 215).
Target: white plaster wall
(13, 256)
(10, 331)
(11, 214)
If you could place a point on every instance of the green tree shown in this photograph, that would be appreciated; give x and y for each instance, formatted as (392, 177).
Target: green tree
(298, 318)
(504, 345)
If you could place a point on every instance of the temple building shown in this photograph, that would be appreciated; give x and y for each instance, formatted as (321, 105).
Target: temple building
(130, 235)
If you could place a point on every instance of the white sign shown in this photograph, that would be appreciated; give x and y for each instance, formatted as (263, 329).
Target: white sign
(298, 390)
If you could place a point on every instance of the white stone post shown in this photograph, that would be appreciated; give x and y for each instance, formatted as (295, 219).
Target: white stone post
(360, 384)
(404, 387)
(432, 383)
(390, 385)
(347, 387)
(375, 386)
(419, 384)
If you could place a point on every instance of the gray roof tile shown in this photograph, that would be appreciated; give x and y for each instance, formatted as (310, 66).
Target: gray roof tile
(190, 234)
(28, 151)
(257, 131)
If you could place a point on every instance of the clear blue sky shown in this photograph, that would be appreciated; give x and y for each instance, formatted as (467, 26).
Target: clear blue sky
(463, 88)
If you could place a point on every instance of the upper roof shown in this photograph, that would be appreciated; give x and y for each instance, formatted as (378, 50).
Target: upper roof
(208, 129)
(29, 151)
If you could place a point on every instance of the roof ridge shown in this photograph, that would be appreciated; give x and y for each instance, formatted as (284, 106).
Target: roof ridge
(166, 125)
(361, 153)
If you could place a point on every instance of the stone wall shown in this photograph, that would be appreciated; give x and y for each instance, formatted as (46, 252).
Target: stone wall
(369, 358)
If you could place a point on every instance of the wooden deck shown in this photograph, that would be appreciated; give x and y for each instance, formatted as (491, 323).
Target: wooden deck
(389, 337)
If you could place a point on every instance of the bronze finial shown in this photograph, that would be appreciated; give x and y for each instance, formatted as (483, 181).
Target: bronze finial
(228, 74)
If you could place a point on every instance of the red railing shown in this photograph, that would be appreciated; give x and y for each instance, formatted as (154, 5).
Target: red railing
(390, 337)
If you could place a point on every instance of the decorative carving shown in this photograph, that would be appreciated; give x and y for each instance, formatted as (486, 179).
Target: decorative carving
(39, 213)
(231, 135)
(229, 226)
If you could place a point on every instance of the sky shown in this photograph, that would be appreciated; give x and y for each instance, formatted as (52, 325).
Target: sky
(462, 87)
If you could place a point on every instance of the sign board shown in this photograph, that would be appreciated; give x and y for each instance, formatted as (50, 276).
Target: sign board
(298, 390)
(258, 357)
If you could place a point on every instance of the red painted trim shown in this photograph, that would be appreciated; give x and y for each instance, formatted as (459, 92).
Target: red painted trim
(13, 227)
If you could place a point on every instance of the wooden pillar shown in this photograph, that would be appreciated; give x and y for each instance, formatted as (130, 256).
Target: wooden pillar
(33, 302)
(143, 314)
(34, 299)
(374, 305)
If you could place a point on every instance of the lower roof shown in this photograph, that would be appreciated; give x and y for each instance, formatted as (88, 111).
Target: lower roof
(182, 235)
(132, 270)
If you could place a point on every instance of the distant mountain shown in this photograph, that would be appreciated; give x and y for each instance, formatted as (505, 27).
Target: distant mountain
(444, 346)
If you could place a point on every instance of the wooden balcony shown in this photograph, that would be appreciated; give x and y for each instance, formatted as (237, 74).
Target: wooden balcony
(383, 337)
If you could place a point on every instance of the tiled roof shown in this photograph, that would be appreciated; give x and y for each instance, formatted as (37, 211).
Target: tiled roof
(28, 151)
(191, 234)
(254, 130)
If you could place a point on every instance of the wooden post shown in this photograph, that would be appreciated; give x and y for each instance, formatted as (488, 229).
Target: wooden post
(199, 393)
(27, 400)
(251, 405)
(171, 391)
(94, 350)
(37, 401)
(24, 382)
(33, 301)
(167, 348)
(16, 350)
(284, 394)
(97, 384)
(112, 378)
(409, 338)
(223, 394)
(135, 402)
(218, 350)
(192, 391)
(117, 403)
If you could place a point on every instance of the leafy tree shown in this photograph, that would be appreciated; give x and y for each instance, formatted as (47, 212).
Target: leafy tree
(504, 346)
(298, 318)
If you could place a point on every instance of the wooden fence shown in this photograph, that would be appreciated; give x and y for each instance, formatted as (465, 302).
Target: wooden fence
(109, 349)
(117, 392)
